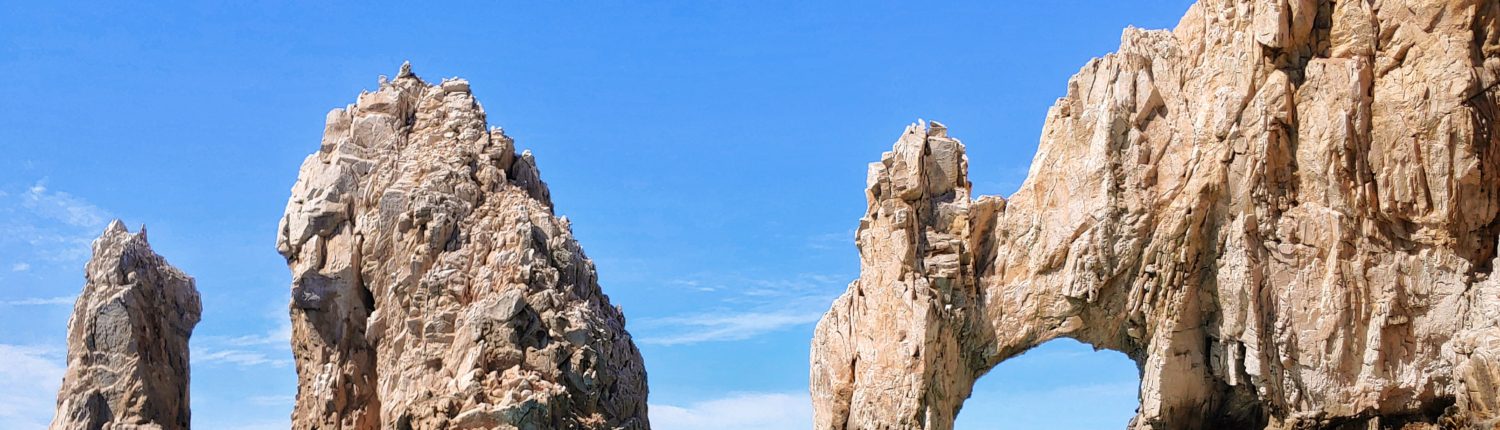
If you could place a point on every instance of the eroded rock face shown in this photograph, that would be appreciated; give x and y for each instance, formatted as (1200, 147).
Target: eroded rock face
(433, 288)
(128, 340)
(1283, 211)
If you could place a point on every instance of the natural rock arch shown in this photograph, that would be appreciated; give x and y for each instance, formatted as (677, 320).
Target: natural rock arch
(1284, 210)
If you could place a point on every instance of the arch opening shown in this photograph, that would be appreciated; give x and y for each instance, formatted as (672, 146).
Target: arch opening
(1061, 384)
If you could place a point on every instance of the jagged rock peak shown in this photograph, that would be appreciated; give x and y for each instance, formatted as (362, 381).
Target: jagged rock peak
(128, 340)
(1283, 211)
(433, 287)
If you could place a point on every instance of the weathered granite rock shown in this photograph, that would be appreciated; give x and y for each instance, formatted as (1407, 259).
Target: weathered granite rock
(128, 340)
(1283, 211)
(433, 288)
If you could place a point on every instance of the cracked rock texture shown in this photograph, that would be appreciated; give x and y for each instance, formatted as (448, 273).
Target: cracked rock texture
(434, 288)
(128, 340)
(1284, 211)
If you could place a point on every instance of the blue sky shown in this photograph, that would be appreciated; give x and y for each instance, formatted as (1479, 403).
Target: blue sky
(710, 154)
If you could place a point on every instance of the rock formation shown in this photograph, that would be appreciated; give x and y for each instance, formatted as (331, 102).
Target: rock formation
(128, 340)
(1284, 211)
(433, 287)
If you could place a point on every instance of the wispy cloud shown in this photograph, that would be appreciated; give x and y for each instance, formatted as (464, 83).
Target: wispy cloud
(40, 301)
(748, 411)
(241, 357)
(62, 206)
(280, 336)
(694, 285)
(750, 307)
(29, 377)
(742, 289)
(271, 348)
(719, 327)
(46, 226)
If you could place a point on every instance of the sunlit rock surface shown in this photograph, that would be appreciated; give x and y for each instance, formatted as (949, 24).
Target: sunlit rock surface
(1283, 211)
(128, 340)
(434, 288)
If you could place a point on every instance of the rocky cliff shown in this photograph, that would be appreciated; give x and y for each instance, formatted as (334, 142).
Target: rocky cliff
(434, 288)
(128, 340)
(1284, 211)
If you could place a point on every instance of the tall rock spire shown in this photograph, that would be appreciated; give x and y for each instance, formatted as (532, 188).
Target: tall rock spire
(433, 286)
(128, 340)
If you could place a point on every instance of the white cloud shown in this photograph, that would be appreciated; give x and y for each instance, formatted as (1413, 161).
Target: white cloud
(240, 357)
(748, 411)
(20, 267)
(45, 227)
(281, 335)
(272, 348)
(29, 377)
(765, 306)
(716, 327)
(63, 207)
(50, 243)
(41, 301)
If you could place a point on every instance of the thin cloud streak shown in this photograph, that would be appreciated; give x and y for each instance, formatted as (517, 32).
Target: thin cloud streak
(29, 377)
(724, 327)
(240, 357)
(746, 411)
(248, 350)
(48, 227)
(62, 206)
(766, 306)
(41, 301)
(281, 335)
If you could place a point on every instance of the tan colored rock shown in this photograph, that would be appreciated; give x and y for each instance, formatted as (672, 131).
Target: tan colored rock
(1283, 211)
(433, 287)
(128, 340)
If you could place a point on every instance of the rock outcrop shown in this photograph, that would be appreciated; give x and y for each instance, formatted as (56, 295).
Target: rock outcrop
(128, 340)
(1284, 211)
(433, 287)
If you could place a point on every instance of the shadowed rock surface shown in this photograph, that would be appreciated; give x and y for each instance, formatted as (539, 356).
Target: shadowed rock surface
(433, 287)
(1283, 211)
(128, 340)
